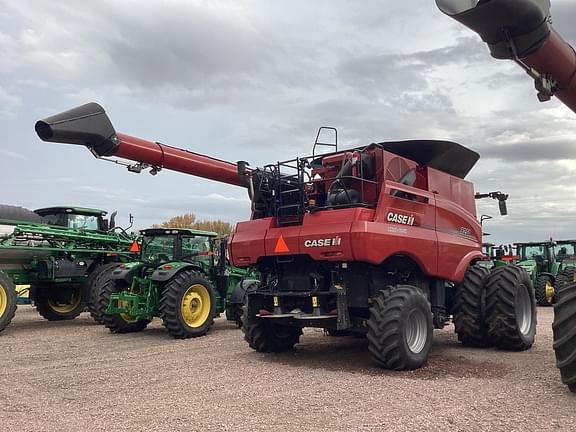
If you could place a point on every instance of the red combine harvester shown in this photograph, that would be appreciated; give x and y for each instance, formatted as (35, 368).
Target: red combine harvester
(380, 240)
(521, 30)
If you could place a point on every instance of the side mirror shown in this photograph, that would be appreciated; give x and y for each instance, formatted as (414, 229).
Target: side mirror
(502, 207)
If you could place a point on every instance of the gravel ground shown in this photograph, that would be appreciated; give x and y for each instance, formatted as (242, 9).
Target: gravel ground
(76, 376)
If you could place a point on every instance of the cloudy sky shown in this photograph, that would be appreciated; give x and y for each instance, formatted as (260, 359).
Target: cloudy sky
(253, 80)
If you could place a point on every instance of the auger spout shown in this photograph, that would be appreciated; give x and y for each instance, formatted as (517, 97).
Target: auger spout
(521, 30)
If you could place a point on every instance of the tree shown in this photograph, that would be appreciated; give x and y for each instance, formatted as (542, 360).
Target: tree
(188, 220)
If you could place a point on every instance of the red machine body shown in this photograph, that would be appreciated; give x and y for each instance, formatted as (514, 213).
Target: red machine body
(432, 221)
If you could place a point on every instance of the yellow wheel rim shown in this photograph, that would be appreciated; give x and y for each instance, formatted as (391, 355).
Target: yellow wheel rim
(3, 300)
(195, 306)
(549, 292)
(125, 316)
(65, 308)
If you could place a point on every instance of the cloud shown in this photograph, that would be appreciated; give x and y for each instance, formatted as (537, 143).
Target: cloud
(253, 80)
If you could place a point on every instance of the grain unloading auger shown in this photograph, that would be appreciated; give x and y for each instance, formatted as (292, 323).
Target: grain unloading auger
(380, 240)
(521, 30)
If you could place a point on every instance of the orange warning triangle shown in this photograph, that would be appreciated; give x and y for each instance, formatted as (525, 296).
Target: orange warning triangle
(134, 247)
(281, 245)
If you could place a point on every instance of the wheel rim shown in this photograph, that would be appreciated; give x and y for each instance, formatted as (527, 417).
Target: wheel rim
(3, 300)
(195, 305)
(65, 308)
(523, 309)
(416, 333)
(549, 291)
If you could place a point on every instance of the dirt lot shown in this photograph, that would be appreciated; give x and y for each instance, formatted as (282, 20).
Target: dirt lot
(76, 376)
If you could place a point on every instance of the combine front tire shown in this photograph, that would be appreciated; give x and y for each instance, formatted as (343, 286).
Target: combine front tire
(469, 303)
(400, 328)
(7, 300)
(117, 323)
(544, 291)
(59, 303)
(564, 328)
(510, 308)
(188, 305)
(266, 336)
(93, 286)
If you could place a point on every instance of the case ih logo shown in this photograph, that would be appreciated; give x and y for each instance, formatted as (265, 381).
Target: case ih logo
(334, 241)
(400, 218)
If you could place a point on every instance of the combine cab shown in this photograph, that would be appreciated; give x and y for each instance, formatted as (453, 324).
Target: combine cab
(182, 277)
(380, 240)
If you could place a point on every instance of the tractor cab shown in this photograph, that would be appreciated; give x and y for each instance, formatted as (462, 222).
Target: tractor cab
(565, 251)
(164, 245)
(77, 218)
(537, 256)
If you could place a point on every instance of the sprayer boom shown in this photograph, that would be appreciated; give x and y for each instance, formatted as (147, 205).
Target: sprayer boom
(89, 125)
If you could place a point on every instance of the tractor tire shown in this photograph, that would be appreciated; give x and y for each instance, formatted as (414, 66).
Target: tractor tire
(118, 323)
(188, 305)
(400, 328)
(52, 308)
(237, 311)
(565, 278)
(7, 300)
(18, 214)
(510, 308)
(93, 284)
(469, 304)
(564, 330)
(265, 336)
(541, 290)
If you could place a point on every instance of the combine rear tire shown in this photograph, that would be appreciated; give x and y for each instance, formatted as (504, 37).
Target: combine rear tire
(544, 291)
(469, 304)
(7, 300)
(564, 328)
(118, 323)
(58, 303)
(400, 328)
(93, 285)
(510, 308)
(266, 336)
(188, 305)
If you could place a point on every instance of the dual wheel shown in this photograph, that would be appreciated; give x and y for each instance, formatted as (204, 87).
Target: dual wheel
(496, 308)
(187, 306)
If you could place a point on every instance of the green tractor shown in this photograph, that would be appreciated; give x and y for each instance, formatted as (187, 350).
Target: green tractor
(183, 277)
(539, 260)
(59, 253)
(565, 251)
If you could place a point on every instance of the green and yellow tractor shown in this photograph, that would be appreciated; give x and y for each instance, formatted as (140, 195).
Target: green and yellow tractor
(182, 277)
(539, 260)
(57, 254)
